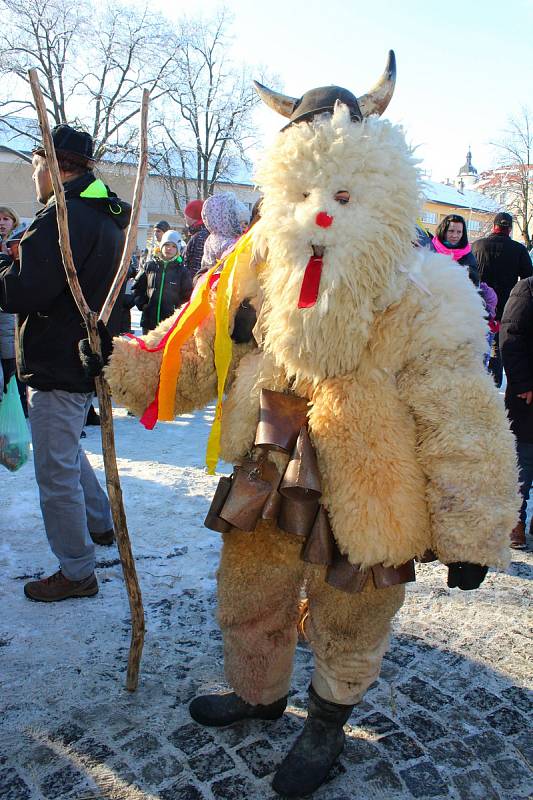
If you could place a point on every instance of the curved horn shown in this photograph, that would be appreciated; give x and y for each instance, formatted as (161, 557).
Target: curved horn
(378, 98)
(281, 103)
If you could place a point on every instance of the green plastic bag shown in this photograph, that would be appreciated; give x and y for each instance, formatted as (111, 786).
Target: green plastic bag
(14, 433)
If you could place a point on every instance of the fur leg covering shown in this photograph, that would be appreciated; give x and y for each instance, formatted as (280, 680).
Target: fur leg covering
(349, 635)
(259, 584)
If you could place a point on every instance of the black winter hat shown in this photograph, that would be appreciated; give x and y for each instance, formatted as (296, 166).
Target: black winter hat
(162, 225)
(503, 220)
(71, 142)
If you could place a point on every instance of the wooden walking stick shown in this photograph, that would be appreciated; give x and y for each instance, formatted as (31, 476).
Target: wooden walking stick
(102, 387)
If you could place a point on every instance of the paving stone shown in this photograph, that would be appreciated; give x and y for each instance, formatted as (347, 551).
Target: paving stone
(260, 757)
(181, 792)
(400, 657)
(378, 724)
(37, 756)
(474, 785)
(461, 721)
(424, 694)
(482, 700)
(190, 738)
(208, 765)
(12, 787)
(382, 776)
(399, 746)
(357, 750)
(68, 733)
(424, 727)
(233, 788)
(521, 698)
(512, 774)
(423, 780)
(451, 753)
(61, 782)
(98, 751)
(144, 745)
(524, 744)
(485, 745)
(159, 769)
(507, 721)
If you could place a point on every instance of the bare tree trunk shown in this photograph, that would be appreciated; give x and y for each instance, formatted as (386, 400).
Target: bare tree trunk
(102, 387)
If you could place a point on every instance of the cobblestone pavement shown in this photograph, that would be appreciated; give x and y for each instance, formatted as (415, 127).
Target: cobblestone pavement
(450, 716)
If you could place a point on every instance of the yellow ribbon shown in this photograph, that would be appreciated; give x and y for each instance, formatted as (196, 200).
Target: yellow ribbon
(223, 343)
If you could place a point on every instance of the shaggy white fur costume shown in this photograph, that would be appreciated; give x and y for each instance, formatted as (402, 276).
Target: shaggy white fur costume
(411, 435)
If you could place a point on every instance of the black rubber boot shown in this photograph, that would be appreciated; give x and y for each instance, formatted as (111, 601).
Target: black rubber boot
(217, 710)
(316, 749)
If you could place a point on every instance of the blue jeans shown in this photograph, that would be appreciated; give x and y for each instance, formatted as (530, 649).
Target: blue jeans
(72, 501)
(525, 473)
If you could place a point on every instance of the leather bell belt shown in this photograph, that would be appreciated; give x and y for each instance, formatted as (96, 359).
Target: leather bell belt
(258, 491)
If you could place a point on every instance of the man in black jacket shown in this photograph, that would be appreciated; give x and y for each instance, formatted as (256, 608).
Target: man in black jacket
(516, 343)
(75, 509)
(502, 262)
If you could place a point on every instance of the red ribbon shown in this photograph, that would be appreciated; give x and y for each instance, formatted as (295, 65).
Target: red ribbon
(310, 283)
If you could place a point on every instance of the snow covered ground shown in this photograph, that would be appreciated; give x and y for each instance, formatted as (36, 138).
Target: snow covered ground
(448, 718)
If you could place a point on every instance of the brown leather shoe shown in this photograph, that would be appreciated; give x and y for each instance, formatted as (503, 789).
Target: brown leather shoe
(104, 539)
(518, 537)
(57, 587)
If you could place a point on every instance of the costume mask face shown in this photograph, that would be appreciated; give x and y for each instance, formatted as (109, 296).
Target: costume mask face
(340, 200)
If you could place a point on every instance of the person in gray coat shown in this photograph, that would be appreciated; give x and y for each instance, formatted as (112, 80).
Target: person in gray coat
(7, 350)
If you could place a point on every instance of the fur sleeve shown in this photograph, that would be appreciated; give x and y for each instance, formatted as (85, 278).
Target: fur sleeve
(133, 373)
(464, 443)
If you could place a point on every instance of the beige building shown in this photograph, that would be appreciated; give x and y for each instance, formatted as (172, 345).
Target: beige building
(17, 190)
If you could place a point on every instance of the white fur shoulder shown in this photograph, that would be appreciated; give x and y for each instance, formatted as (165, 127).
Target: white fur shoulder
(445, 308)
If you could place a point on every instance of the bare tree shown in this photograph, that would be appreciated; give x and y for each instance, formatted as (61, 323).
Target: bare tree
(207, 118)
(99, 85)
(42, 34)
(511, 183)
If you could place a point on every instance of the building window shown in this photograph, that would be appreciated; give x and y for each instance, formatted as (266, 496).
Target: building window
(473, 225)
(430, 217)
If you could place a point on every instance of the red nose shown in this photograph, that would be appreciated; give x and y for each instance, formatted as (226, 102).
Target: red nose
(323, 219)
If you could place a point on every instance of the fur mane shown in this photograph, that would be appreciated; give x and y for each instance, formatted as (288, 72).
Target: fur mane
(364, 247)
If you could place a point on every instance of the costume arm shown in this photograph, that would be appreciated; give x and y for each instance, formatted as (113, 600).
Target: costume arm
(133, 373)
(464, 444)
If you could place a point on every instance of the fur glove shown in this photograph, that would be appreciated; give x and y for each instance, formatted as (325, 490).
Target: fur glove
(466, 576)
(91, 362)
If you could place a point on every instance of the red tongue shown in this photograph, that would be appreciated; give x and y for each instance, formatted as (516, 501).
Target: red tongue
(310, 283)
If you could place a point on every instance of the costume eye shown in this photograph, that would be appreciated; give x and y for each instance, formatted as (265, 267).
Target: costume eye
(342, 197)
(305, 195)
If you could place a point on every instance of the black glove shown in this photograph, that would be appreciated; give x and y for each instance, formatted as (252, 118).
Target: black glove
(466, 576)
(244, 322)
(91, 362)
(9, 366)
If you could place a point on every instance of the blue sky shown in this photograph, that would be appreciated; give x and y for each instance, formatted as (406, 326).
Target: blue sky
(462, 68)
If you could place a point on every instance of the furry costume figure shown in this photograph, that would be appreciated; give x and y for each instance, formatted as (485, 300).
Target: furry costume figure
(408, 429)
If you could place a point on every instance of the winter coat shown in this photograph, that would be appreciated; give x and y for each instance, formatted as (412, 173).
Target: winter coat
(159, 289)
(7, 335)
(194, 251)
(49, 324)
(516, 347)
(502, 262)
